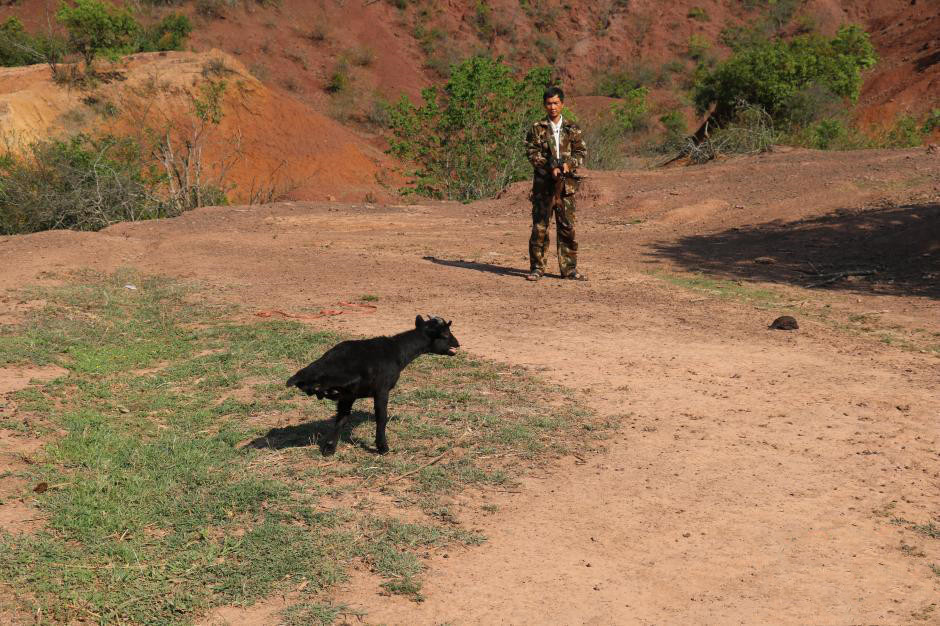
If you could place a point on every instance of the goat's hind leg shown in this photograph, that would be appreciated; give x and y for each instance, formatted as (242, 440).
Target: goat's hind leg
(343, 409)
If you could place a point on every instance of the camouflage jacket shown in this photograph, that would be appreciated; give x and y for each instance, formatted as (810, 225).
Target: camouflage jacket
(540, 148)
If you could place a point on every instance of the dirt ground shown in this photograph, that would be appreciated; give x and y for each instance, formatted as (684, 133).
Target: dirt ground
(758, 476)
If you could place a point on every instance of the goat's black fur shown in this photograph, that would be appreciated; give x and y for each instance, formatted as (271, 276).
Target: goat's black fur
(369, 368)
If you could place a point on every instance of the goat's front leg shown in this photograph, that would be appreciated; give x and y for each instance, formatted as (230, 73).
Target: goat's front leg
(343, 409)
(381, 419)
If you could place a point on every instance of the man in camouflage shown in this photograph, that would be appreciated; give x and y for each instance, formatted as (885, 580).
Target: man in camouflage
(556, 149)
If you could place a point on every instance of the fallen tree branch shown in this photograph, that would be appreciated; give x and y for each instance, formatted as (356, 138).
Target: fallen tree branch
(836, 276)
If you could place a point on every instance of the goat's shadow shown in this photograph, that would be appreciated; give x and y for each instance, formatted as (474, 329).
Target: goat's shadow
(490, 268)
(312, 433)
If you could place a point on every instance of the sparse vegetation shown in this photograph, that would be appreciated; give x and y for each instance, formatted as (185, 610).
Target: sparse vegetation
(751, 131)
(339, 78)
(676, 130)
(725, 289)
(88, 182)
(82, 183)
(150, 485)
(698, 47)
(618, 84)
(362, 56)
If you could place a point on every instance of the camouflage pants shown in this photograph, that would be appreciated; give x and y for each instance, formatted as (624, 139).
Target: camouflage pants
(564, 224)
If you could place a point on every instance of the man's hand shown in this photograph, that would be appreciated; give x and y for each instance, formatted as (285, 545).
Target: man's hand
(557, 172)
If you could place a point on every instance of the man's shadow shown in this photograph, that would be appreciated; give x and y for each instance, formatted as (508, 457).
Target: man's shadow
(483, 267)
(311, 433)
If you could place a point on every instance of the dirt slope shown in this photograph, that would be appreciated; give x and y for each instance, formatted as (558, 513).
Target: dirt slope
(756, 473)
(270, 140)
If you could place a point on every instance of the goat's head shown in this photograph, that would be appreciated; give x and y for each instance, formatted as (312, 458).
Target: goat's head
(438, 331)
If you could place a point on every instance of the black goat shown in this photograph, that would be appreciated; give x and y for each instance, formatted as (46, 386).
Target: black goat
(369, 368)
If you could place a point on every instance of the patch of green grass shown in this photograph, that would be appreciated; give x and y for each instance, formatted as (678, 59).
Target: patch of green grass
(156, 513)
(725, 289)
(369, 298)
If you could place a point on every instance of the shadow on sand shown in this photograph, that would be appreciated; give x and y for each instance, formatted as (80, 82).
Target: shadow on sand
(311, 433)
(484, 267)
(892, 250)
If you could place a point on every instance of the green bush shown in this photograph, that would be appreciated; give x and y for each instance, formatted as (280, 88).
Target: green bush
(170, 33)
(466, 138)
(94, 28)
(97, 28)
(17, 47)
(826, 134)
(773, 75)
(698, 47)
(633, 113)
(82, 183)
(676, 130)
(618, 84)
(339, 78)
(906, 133)
(698, 13)
(742, 37)
(932, 122)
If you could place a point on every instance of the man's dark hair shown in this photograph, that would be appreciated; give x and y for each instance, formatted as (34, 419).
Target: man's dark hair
(553, 91)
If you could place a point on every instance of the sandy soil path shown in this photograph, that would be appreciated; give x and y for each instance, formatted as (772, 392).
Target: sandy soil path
(756, 473)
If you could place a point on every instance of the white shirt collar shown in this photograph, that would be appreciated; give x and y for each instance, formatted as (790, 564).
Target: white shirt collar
(555, 127)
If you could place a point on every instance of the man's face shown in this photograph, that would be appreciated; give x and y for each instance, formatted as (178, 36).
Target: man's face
(553, 107)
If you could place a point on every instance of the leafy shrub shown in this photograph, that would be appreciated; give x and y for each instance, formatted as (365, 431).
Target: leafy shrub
(483, 20)
(698, 47)
(698, 13)
(548, 46)
(826, 134)
(606, 145)
(362, 56)
(82, 183)
(741, 37)
(17, 47)
(905, 133)
(932, 122)
(212, 9)
(617, 84)
(466, 138)
(772, 75)
(633, 113)
(96, 28)
(170, 33)
(339, 78)
(676, 130)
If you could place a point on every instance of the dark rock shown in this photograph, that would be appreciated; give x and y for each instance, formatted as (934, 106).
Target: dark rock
(785, 322)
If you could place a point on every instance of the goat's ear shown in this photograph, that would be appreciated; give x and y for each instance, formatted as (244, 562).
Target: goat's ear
(449, 323)
(419, 323)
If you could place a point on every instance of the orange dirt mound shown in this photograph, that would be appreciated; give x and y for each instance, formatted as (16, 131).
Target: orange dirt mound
(269, 139)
